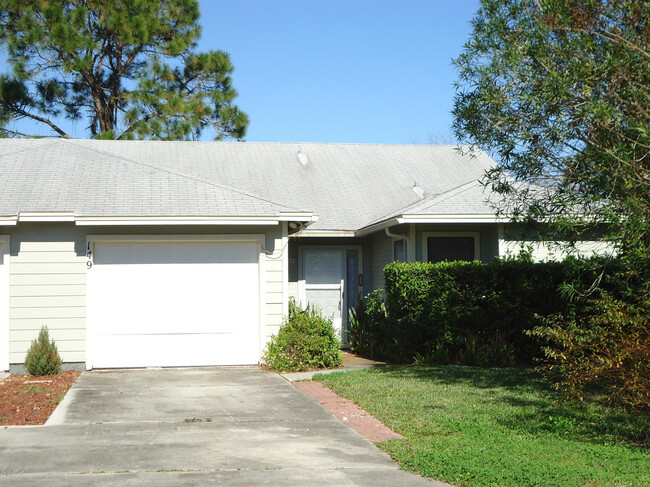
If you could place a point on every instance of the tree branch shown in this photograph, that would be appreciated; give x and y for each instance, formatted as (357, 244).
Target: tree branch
(54, 127)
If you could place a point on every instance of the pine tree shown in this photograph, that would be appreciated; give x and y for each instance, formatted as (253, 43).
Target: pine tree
(128, 67)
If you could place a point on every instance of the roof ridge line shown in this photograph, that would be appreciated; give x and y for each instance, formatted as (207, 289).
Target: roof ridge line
(291, 142)
(438, 198)
(51, 142)
(393, 214)
(180, 174)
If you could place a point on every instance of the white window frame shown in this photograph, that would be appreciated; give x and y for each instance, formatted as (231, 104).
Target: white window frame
(475, 235)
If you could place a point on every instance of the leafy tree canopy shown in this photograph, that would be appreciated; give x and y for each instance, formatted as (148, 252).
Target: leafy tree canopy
(559, 92)
(128, 67)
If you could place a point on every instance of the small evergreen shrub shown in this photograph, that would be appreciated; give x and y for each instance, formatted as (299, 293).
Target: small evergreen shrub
(42, 357)
(306, 340)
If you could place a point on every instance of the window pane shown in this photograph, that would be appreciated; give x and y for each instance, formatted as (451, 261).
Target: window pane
(450, 248)
(399, 250)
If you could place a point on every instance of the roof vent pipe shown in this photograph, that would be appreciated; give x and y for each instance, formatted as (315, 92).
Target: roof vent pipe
(302, 157)
(416, 187)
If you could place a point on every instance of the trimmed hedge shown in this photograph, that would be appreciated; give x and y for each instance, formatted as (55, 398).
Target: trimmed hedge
(473, 313)
(470, 313)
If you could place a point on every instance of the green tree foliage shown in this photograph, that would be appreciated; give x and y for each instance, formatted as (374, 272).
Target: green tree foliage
(42, 357)
(603, 348)
(559, 92)
(128, 67)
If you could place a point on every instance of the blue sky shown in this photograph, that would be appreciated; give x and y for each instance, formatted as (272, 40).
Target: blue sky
(368, 71)
(371, 71)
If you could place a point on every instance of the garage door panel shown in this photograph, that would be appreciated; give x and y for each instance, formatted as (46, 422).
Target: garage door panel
(175, 304)
(161, 298)
(175, 351)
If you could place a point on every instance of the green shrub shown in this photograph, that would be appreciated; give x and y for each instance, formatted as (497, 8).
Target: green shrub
(306, 340)
(42, 357)
(468, 313)
(585, 320)
(476, 313)
(369, 330)
(602, 349)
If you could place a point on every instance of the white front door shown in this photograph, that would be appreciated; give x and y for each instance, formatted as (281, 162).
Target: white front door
(184, 303)
(324, 282)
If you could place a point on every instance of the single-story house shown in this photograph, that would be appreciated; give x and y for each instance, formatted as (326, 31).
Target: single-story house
(142, 253)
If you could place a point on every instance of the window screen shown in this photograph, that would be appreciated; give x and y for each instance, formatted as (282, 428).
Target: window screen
(450, 248)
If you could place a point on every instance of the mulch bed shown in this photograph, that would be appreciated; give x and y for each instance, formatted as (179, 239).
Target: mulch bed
(30, 400)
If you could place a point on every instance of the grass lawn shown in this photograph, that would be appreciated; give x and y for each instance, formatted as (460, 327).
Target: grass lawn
(498, 427)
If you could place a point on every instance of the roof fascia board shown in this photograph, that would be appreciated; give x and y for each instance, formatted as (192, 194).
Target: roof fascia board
(324, 233)
(458, 218)
(107, 221)
(377, 226)
(8, 220)
(297, 216)
(407, 219)
(46, 216)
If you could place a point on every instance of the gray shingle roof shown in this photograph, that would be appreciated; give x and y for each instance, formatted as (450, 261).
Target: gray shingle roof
(467, 199)
(348, 186)
(65, 176)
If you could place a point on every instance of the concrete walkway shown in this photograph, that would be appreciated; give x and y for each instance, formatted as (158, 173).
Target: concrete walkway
(234, 426)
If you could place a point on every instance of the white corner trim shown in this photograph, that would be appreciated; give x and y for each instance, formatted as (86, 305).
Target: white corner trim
(4, 302)
(475, 235)
(285, 269)
(410, 255)
(261, 269)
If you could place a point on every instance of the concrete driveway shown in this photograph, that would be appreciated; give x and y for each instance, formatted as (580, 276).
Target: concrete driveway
(217, 426)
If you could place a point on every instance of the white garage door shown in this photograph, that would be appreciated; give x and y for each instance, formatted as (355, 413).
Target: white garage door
(174, 304)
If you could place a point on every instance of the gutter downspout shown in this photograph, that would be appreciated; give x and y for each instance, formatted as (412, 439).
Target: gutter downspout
(394, 235)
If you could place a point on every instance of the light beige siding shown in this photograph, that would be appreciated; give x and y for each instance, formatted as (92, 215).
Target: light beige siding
(549, 251)
(274, 295)
(47, 282)
(47, 287)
